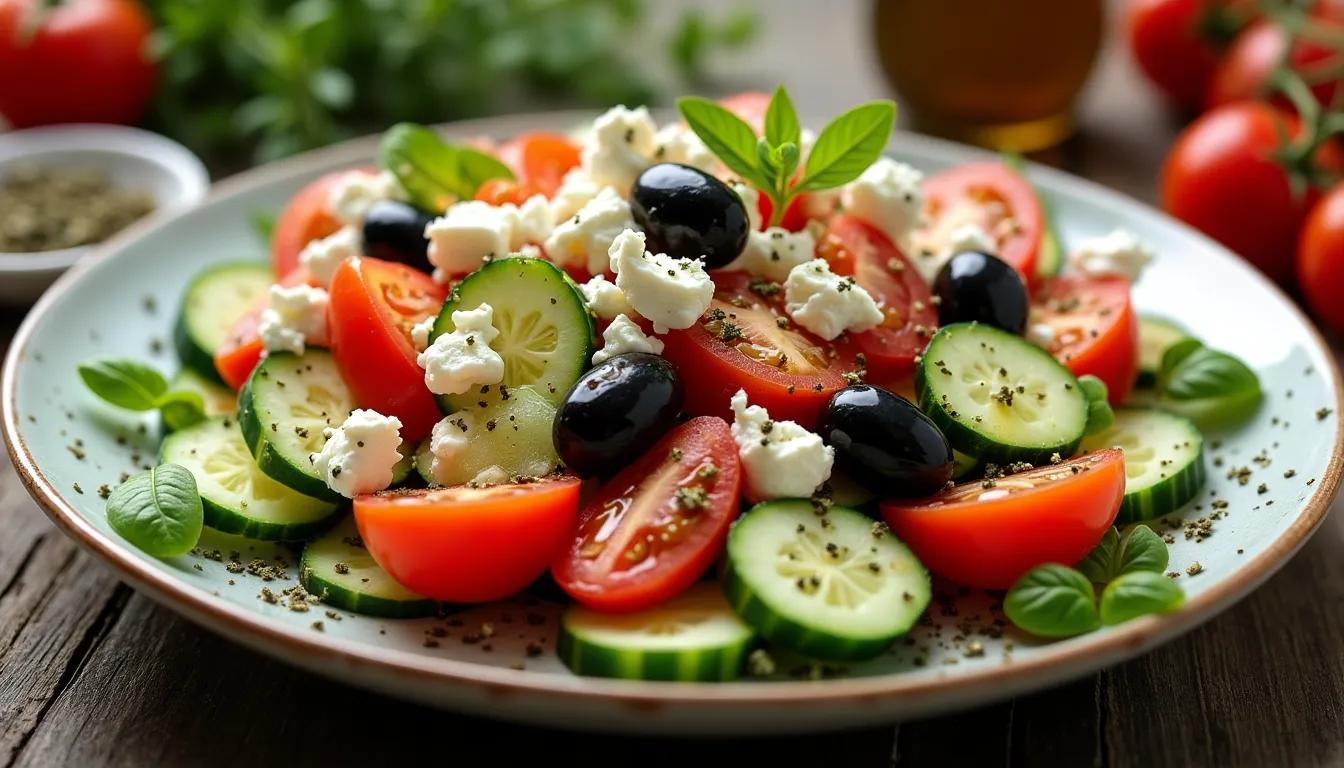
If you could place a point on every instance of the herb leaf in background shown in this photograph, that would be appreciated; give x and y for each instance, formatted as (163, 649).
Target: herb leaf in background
(137, 387)
(1053, 601)
(1139, 593)
(158, 511)
(433, 172)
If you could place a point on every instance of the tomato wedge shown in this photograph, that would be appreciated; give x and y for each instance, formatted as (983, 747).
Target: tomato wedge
(242, 348)
(1094, 329)
(740, 344)
(540, 159)
(993, 196)
(501, 191)
(305, 218)
(374, 306)
(987, 536)
(853, 247)
(655, 527)
(469, 545)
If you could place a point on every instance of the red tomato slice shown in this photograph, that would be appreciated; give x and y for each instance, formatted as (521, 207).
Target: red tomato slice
(501, 191)
(1095, 329)
(540, 159)
(795, 216)
(469, 545)
(305, 218)
(787, 370)
(853, 247)
(374, 306)
(242, 349)
(654, 528)
(993, 196)
(987, 537)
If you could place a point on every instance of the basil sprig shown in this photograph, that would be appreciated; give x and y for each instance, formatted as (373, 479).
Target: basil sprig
(1206, 385)
(1053, 601)
(158, 511)
(137, 387)
(1138, 550)
(843, 150)
(433, 172)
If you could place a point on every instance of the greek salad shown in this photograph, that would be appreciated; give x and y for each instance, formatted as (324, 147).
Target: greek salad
(727, 384)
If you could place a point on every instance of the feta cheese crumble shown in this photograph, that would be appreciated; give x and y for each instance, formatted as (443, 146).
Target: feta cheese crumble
(774, 253)
(620, 147)
(585, 238)
(534, 223)
(356, 192)
(469, 234)
(827, 304)
(605, 299)
(887, 195)
(449, 442)
(623, 336)
(359, 455)
(459, 361)
(294, 318)
(577, 189)
(322, 257)
(1119, 253)
(779, 458)
(673, 293)
(751, 199)
(420, 333)
(675, 143)
(1040, 334)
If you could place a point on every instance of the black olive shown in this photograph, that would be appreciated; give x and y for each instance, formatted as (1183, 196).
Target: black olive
(395, 231)
(885, 443)
(977, 287)
(688, 214)
(617, 411)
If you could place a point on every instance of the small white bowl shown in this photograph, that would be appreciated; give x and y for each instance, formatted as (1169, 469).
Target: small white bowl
(133, 158)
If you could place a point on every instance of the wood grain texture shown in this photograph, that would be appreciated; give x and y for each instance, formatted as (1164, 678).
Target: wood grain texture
(92, 674)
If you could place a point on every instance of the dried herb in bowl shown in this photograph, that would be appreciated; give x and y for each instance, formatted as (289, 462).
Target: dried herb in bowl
(55, 207)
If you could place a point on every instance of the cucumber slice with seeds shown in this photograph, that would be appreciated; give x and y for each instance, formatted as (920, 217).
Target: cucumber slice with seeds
(219, 400)
(237, 496)
(213, 302)
(1164, 461)
(999, 398)
(694, 637)
(508, 435)
(283, 409)
(1156, 336)
(338, 569)
(546, 335)
(837, 587)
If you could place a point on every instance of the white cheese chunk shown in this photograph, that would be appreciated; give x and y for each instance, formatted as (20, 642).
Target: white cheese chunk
(449, 442)
(359, 455)
(584, 239)
(1119, 253)
(534, 223)
(468, 235)
(780, 459)
(577, 189)
(887, 195)
(774, 253)
(1041, 335)
(623, 336)
(827, 304)
(675, 143)
(420, 333)
(322, 257)
(673, 293)
(620, 147)
(294, 318)
(462, 360)
(356, 192)
(605, 299)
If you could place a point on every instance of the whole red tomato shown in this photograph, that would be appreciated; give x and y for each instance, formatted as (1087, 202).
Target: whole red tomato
(1221, 178)
(1255, 53)
(1320, 259)
(1177, 43)
(81, 61)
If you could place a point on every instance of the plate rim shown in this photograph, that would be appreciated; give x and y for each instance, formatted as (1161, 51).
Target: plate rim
(319, 653)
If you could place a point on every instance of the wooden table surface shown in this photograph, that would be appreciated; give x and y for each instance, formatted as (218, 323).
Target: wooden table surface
(92, 673)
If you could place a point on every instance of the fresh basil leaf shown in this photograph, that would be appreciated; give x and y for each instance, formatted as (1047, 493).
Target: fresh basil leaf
(1100, 417)
(1052, 601)
(781, 120)
(1099, 565)
(1176, 354)
(158, 511)
(475, 167)
(848, 145)
(433, 172)
(124, 383)
(181, 409)
(1204, 373)
(726, 135)
(1141, 550)
(786, 157)
(765, 161)
(1139, 593)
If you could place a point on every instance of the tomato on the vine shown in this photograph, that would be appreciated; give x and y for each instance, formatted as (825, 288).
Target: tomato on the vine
(1320, 259)
(1177, 43)
(1246, 66)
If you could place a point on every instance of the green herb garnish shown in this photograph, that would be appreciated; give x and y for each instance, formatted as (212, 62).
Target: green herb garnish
(843, 150)
(1053, 601)
(137, 387)
(1138, 550)
(433, 172)
(1140, 593)
(1206, 385)
(1099, 414)
(158, 511)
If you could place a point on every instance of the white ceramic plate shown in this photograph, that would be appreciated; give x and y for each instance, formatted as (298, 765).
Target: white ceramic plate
(66, 445)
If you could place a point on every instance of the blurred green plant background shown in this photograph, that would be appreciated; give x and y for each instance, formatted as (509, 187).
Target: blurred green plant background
(250, 81)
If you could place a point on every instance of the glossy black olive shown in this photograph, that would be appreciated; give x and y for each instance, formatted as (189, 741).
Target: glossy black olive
(975, 286)
(687, 213)
(885, 443)
(617, 411)
(395, 231)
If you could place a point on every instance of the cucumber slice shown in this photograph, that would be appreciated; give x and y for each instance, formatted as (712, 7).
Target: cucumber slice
(546, 335)
(402, 469)
(1050, 255)
(238, 497)
(214, 301)
(283, 409)
(219, 400)
(508, 436)
(338, 569)
(824, 586)
(694, 637)
(1164, 461)
(1156, 336)
(999, 398)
